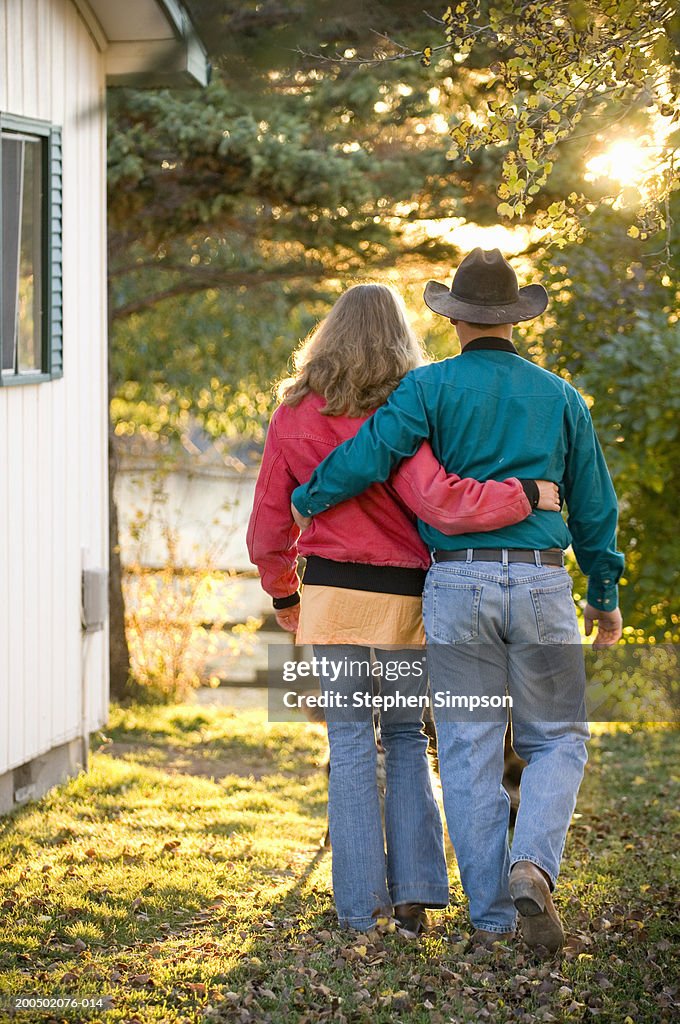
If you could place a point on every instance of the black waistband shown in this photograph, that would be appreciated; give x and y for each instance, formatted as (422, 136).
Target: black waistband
(381, 579)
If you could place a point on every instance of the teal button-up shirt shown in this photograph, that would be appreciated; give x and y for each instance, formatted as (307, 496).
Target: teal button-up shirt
(490, 414)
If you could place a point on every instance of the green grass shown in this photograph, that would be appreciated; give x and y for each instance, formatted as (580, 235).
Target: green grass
(183, 880)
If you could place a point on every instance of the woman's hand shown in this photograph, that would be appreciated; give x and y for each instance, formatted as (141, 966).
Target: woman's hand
(548, 496)
(302, 521)
(288, 618)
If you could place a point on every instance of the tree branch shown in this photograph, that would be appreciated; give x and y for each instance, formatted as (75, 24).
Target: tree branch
(193, 283)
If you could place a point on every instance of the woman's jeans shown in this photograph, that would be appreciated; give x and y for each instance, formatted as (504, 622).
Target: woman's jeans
(492, 629)
(367, 880)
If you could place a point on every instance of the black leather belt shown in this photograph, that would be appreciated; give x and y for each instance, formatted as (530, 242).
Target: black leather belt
(553, 556)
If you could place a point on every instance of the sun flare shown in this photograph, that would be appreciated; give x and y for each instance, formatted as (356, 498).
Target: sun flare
(467, 236)
(629, 162)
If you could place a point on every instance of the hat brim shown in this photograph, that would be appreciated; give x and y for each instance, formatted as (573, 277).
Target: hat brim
(532, 301)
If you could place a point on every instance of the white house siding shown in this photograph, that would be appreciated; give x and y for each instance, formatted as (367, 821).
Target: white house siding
(53, 486)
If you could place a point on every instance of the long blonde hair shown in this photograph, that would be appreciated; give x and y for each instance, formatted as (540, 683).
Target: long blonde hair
(357, 355)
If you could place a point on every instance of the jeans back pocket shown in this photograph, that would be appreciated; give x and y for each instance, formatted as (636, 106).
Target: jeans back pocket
(453, 617)
(555, 614)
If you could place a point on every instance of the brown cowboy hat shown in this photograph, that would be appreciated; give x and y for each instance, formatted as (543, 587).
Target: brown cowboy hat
(484, 291)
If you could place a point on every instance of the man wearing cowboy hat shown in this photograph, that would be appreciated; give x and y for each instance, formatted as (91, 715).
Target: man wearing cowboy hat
(498, 609)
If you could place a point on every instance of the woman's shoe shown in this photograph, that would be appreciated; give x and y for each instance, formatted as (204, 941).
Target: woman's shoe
(488, 939)
(530, 892)
(412, 917)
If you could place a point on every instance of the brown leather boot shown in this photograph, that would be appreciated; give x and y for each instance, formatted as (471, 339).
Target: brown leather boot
(530, 892)
(412, 917)
(488, 939)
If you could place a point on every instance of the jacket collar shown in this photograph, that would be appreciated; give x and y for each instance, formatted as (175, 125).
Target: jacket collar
(489, 343)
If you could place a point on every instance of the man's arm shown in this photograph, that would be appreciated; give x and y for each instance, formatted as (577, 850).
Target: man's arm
(592, 517)
(393, 433)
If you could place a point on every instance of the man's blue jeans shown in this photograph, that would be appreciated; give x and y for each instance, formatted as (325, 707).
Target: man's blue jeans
(366, 878)
(493, 629)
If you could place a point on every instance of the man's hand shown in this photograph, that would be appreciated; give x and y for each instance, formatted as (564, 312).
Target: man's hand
(609, 625)
(288, 618)
(548, 496)
(302, 521)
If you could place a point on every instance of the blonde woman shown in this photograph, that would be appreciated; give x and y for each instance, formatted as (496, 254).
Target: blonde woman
(360, 604)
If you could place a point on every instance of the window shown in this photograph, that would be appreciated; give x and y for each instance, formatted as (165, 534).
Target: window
(30, 242)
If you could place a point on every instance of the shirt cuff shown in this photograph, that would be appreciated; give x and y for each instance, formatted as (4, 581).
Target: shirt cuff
(603, 595)
(286, 602)
(300, 498)
(530, 488)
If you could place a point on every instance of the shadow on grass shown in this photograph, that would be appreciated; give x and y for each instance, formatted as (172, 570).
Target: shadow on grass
(109, 918)
(218, 763)
(250, 921)
(618, 896)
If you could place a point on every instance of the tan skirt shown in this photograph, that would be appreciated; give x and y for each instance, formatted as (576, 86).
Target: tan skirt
(335, 615)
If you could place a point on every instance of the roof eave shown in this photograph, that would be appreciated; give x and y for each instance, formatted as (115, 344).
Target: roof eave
(157, 63)
(178, 58)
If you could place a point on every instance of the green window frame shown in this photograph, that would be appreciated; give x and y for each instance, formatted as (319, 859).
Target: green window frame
(31, 240)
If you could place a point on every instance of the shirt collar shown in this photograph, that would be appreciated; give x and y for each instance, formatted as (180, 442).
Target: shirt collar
(489, 343)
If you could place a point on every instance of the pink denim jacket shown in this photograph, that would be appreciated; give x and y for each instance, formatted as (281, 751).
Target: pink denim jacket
(377, 527)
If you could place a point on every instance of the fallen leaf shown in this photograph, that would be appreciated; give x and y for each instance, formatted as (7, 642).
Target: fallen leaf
(140, 979)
